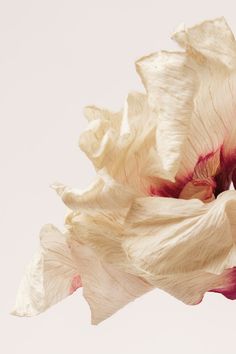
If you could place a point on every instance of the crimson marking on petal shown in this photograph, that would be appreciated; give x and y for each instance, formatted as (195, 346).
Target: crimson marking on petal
(228, 288)
(227, 166)
(75, 284)
(205, 158)
(170, 189)
(219, 174)
(199, 301)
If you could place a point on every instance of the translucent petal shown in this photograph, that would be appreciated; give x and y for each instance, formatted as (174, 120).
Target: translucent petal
(49, 277)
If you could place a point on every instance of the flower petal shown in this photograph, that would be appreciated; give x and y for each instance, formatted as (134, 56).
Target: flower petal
(171, 85)
(212, 47)
(192, 95)
(174, 241)
(103, 193)
(49, 278)
(105, 288)
(212, 38)
(123, 143)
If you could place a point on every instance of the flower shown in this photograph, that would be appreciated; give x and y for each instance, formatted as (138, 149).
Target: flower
(160, 213)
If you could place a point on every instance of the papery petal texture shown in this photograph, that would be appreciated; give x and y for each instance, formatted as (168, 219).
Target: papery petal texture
(159, 213)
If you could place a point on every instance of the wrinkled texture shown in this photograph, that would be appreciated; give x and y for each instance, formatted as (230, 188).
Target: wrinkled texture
(160, 213)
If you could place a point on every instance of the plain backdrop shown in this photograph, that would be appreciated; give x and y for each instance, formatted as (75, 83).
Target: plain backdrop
(55, 58)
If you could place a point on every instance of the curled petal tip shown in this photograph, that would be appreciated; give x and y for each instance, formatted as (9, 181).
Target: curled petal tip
(180, 28)
(58, 187)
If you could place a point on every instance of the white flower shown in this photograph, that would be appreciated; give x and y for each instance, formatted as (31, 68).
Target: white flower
(160, 213)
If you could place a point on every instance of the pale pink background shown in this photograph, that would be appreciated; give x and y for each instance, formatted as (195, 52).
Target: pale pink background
(56, 57)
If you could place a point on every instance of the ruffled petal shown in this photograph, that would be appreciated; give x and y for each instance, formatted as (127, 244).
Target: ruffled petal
(123, 143)
(193, 96)
(50, 277)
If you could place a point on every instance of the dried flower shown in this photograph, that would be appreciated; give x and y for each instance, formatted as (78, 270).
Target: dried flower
(160, 213)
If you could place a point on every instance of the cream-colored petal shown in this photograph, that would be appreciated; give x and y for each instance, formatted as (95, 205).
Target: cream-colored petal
(171, 84)
(212, 47)
(192, 95)
(170, 240)
(105, 288)
(97, 141)
(49, 278)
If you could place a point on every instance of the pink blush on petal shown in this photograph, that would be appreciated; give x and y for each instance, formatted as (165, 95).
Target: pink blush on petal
(75, 284)
(228, 288)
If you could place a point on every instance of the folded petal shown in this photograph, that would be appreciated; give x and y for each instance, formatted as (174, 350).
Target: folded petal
(50, 277)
